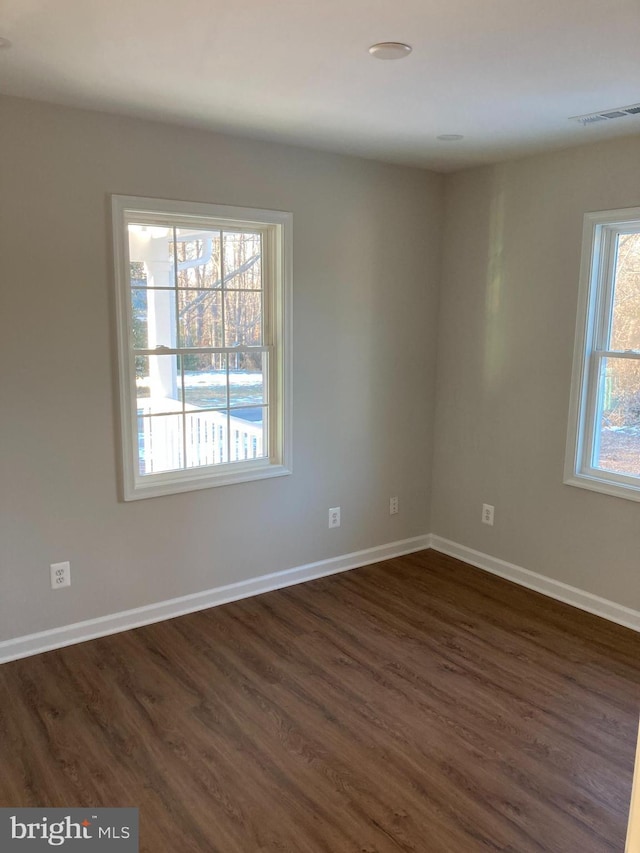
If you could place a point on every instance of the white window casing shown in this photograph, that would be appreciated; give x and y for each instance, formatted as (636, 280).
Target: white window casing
(593, 352)
(170, 442)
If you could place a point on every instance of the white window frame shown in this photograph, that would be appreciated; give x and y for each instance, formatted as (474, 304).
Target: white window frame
(595, 303)
(276, 227)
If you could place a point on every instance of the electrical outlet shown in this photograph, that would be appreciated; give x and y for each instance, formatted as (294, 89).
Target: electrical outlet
(334, 516)
(487, 514)
(393, 506)
(60, 575)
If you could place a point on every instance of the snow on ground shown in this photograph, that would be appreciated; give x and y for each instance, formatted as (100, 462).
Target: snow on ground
(193, 379)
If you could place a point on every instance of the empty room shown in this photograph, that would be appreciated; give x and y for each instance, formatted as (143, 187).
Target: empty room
(320, 424)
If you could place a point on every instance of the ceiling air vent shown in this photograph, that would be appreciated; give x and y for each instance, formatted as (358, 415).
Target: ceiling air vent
(607, 115)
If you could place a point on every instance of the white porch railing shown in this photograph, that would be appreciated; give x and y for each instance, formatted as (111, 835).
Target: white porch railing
(209, 439)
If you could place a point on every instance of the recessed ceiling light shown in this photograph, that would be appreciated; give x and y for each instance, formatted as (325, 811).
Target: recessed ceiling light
(390, 50)
(4, 43)
(450, 137)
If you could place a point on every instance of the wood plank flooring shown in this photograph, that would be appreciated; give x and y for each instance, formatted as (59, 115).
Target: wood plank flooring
(415, 705)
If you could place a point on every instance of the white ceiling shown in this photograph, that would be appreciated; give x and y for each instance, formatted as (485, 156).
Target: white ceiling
(505, 73)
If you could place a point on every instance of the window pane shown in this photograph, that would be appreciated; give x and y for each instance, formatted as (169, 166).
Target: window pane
(158, 384)
(205, 380)
(138, 274)
(153, 315)
(618, 448)
(150, 255)
(248, 433)
(200, 318)
(625, 325)
(243, 318)
(139, 319)
(247, 376)
(242, 260)
(198, 252)
(160, 443)
(207, 438)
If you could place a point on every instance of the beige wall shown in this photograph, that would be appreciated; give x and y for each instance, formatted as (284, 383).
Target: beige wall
(366, 269)
(511, 259)
(366, 255)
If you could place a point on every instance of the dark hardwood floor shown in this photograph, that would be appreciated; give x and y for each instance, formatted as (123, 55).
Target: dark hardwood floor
(415, 705)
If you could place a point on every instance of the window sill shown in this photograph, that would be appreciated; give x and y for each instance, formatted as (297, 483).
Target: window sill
(175, 482)
(607, 487)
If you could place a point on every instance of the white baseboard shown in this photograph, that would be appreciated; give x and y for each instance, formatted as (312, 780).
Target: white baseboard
(79, 632)
(547, 586)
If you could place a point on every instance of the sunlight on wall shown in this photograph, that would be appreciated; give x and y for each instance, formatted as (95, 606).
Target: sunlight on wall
(494, 337)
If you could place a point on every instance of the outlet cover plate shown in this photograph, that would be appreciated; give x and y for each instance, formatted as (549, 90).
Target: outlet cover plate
(487, 514)
(60, 575)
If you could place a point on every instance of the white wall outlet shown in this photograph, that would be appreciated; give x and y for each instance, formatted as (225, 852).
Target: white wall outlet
(393, 505)
(60, 575)
(487, 514)
(334, 516)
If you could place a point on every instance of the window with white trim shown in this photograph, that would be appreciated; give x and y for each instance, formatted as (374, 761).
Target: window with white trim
(603, 446)
(203, 313)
